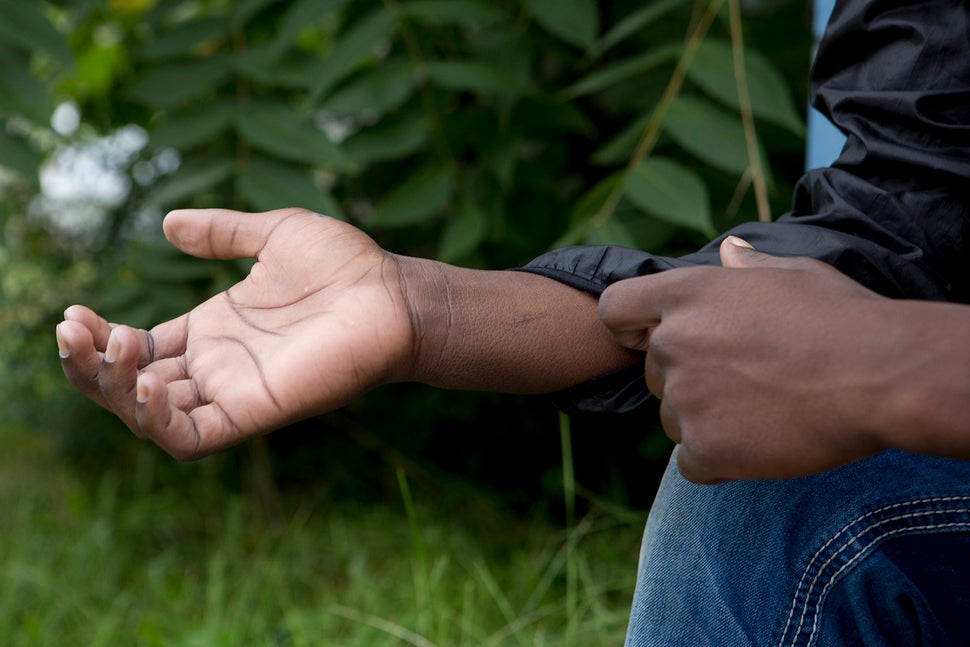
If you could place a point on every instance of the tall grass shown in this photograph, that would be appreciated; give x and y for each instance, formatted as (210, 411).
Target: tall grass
(131, 562)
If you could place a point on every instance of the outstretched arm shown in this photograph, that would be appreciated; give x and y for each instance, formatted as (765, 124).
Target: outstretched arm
(324, 316)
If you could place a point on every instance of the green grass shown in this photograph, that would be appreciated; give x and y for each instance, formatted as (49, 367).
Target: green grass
(135, 562)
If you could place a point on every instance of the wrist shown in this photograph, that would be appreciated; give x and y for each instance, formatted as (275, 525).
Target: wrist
(426, 291)
(871, 378)
(927, 380)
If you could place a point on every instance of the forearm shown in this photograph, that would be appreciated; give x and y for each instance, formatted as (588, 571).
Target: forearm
(928, 379)
(504, 331)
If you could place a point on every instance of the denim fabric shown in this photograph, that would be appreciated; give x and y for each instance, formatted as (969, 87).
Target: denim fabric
(873, 553)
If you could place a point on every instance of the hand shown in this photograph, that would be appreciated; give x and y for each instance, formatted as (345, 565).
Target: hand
(765, 367)
(321, 318)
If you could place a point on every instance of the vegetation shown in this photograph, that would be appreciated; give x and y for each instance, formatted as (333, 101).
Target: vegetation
(479, 133)
(142, 563)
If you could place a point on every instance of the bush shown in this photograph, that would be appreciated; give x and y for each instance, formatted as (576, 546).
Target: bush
(478, 133)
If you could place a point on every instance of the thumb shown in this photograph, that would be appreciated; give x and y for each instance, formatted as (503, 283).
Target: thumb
(739, 253)
(222, 233)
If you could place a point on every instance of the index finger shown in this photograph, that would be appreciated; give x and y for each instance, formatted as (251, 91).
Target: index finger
(631, 307)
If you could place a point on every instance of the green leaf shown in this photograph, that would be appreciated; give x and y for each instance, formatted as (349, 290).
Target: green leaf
(181, 39)
(195, 177)
(624, 70)
(417, 199)
(117, 296)
(18, 156)
(247, 9)
(173, 84)
(575, 21)
(261, 64)
(471, 76)
(357, 44)
(634, 22)
(280, 130)
(162, 263)
(511, 50)
(391, 138)
(191, 128)
(713, 70)
(671, 192)
(266, 185)
(23, 23)
(589, 205)
(612, 232)
(300, 15)
(129, 304)
(446, 12)
(545, 114)
(594, 200)
(619, 149)
(708, 132)
(378, 90)
(463, 233)
(98, 65)
(501, 159)
(21, 94)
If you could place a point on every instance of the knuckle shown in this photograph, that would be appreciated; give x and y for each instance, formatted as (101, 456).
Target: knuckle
(605, 306)
(704, 452)
(662, 343)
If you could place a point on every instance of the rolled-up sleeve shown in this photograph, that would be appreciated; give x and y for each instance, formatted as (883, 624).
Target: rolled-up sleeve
(893, 212)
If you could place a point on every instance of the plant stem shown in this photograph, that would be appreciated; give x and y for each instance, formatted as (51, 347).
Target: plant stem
(747, 116)
(651, 131)
(417, 59)
(569, 496)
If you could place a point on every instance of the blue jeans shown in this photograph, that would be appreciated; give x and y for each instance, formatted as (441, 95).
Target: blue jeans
(873, 553)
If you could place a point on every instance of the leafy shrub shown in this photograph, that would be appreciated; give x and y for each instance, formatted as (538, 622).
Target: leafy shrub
(479, 133)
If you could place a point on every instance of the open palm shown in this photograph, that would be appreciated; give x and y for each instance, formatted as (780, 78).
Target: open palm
(320, 319)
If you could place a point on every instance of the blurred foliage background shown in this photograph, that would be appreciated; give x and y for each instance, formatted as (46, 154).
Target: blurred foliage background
(479, 133)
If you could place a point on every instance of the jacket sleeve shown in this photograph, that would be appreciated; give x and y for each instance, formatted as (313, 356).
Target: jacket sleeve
(893, 212)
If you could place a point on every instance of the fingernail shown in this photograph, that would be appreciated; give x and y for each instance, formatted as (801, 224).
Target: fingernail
(113, 349)
(739, 242)
(141, 391)
(63, 350)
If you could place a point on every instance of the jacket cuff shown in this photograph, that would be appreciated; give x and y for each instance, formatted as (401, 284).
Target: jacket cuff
(591, 269)
(623, 391)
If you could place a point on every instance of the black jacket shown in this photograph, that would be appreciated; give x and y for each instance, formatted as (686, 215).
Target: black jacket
(893, 212)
